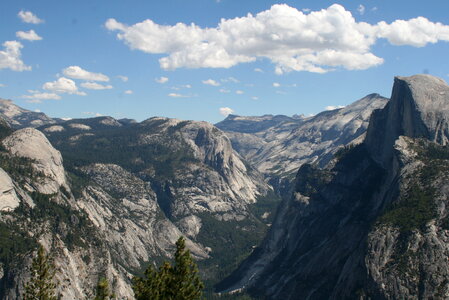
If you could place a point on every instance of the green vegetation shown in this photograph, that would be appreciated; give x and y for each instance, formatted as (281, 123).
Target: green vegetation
(102, 291)
(413, 211)
(231, 242)
(18, 168)
(265, 204)
(178, 282)
(14, 242)
(134, 147)
(41, 285)
(73, 226)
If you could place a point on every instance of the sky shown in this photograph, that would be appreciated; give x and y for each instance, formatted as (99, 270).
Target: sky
(204, 59)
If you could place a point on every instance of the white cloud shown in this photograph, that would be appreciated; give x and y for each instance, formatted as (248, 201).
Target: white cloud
(225, 111)
(176, 95)
(78, 73)
(63, 85)
(319, 41)
(161, 80)
(258, 70)
(95, 86)
(255, 98)
(210, 82)
(224, 91)
(37, 110)
(2, 85)
(276, 84)
(332, 107)
(361, 9)
(122, 78)
(128, 92)
(239, 92)
(28, 35)
(416, 32)
(29, 17)
(10, 57)
(37, 96)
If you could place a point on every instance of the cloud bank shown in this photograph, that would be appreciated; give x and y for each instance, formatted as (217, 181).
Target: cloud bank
(318, 41)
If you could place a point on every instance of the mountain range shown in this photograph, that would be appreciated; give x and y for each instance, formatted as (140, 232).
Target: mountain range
(349, 203)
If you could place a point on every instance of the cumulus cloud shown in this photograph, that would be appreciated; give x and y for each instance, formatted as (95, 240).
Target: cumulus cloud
(210, 82)
(226, 111)
(239, 92)
(128, 92)
(95, 86)
(28, 35)
(276, 84)
(416, 32)
(63, 85)
(77, 72)
(332, 107)
(29, 17)
(317, 41)
(37, 96)
(122, 78)
(161, 80)
(258, 70)
(224, 91)
(10, 57)
(255, 98)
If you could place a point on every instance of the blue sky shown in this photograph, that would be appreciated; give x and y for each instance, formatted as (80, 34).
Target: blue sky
(203, 59)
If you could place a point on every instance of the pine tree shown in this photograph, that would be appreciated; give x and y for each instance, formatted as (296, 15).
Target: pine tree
(186, 283)
(178, 282)
(102, 291)
(41, 285)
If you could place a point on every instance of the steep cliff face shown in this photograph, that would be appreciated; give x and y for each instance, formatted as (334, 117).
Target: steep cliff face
(372, 224)
(281, 146)
(419, 109)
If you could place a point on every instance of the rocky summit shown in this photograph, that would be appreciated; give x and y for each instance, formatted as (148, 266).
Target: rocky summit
(373, 223)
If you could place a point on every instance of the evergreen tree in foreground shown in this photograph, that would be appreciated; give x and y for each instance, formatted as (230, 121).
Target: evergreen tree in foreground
(178, 282)
(41, 285)
(102, 290)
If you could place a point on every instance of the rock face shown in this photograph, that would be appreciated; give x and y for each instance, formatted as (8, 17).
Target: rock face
(373, 224)
(18, 117)
(281, 146)
(152, 181)
(47, 161)
(8, 197)
(419, 109)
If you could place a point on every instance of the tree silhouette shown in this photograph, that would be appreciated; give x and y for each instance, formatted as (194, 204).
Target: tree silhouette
(178, 282)
(41, 285)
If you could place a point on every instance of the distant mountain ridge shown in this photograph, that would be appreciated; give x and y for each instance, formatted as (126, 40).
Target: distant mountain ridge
(18, 117)
(279, 145)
